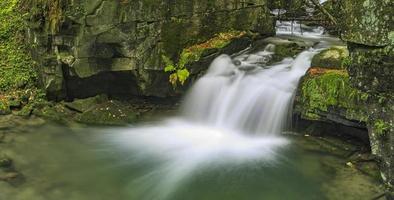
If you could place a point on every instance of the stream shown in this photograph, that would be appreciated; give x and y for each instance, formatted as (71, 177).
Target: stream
(227, 142)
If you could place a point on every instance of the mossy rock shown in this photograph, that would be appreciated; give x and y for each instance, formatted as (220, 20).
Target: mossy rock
(109, 113)
(5, 162)
(4, 108)
(284, 47)
(53, 112)
(82, 105)
(332, 58)
(322, 90)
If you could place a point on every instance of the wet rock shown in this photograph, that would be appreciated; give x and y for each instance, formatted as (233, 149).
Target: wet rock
(7, 122)
(5, 162)
(328, 94)
(284, 47)
(4, 108)
(108, 113)
(82, 105)
(54, 112)
(332, 58)
(9, 176)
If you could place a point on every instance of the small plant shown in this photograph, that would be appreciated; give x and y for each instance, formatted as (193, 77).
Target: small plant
(179, 71)
(381, 127)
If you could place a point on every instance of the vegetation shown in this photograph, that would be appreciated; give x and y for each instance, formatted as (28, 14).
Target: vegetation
(323, 88)
(17, 69)
(381, 126)
(179, 71)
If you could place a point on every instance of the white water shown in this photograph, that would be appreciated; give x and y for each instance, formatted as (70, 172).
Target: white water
(247, 98)
(294, 28)
(234, 114)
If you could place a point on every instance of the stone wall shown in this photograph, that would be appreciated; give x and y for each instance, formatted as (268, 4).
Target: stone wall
(87, 47)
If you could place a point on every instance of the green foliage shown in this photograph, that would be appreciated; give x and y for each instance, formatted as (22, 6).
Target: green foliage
(170, 67)
(346, 62)
(24, 101)
(381, 127)
(16, 66)
(182, 74)
(332, 88)
(179, 71)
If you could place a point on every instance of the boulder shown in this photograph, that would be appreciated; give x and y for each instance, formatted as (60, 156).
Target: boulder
(83, 105)
(284, 47)
(332, 58)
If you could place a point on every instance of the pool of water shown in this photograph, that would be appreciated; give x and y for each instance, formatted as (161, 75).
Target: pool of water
(80, 163)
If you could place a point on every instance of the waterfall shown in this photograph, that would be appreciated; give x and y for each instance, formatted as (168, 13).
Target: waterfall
(234, 114)
(295, 28)
(249, 97)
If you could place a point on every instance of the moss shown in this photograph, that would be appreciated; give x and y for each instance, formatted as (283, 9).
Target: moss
(17, 69)
(290, 50)
(108, 113)
(333, 58)
(179, 72)
(4, 108)
(322, 89)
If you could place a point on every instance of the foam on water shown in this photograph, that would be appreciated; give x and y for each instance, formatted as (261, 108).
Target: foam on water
(294, 28)
(233, 114)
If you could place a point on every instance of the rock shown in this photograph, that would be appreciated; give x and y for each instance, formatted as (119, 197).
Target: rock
(284, 47)
(9, 176)
(5, 162)
(332, 58)
(368, 30)
(326, 95)
(82, 105)
(108, 113)
(116, 47)
(4, 108)
(54, 112)
(367, 22)
(324, 91)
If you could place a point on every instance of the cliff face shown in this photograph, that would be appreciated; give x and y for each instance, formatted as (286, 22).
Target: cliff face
(363, 95)
(369, 31)
(116, 47)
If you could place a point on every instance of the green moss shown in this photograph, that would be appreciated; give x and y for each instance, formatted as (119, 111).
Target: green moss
(17, 70)
(381, 127)
(4, 108)
(179, 71)
(109, 113)
(287, 50)
(322, 89)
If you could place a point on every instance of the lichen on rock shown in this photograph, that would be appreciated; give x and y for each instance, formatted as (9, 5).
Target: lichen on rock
(335, 57)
